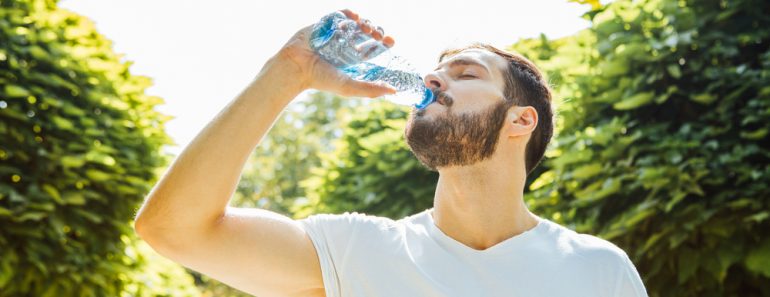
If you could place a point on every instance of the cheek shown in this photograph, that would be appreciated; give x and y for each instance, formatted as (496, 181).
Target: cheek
(475, 99)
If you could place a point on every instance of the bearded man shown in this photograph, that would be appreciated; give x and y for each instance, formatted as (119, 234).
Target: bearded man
(488, 129)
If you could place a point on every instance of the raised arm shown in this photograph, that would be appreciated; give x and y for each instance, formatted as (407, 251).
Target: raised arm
(186, 218)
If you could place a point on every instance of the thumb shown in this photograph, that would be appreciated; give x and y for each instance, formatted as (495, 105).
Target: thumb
(357, 88)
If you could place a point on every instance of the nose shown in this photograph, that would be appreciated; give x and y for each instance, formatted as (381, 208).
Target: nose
(434, 81)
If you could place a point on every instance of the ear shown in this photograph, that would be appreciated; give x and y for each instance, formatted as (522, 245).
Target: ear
(520, 121)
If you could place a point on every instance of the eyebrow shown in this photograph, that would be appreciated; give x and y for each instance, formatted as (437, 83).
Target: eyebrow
(464, 62)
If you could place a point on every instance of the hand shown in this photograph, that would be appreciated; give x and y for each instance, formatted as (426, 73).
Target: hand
(311, 71)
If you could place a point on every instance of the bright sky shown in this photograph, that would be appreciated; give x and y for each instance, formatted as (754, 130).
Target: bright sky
(201, 54)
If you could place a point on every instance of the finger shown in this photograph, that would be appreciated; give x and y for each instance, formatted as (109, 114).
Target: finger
(346, 24)
(370, 49)
(378, 33)
(359, 88)
(366, 26)
(388, 41)
(350, 14)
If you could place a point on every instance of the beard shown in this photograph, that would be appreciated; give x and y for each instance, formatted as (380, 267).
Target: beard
(455, 140)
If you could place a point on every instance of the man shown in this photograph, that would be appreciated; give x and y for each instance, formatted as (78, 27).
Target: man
(487, 130)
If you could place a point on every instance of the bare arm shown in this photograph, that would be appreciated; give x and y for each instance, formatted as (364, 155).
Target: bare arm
(185, 217)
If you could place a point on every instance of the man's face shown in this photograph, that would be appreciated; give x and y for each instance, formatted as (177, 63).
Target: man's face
(463, 126)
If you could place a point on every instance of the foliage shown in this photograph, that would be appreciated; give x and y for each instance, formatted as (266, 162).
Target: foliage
(663, 142)
(210, 287)
(306, 129)
(80, 148)
(152, 274)
(595, 4)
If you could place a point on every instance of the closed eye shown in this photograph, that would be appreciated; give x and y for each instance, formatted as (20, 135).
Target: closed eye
(467, 76)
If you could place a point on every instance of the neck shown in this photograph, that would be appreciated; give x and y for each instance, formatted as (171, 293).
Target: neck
(482, 205)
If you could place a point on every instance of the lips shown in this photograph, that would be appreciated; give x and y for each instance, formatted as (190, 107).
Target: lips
(436, 96)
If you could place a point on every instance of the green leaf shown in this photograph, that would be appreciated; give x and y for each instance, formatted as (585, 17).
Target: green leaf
(758, 217)
(62, 123)
(595, 4)
(544, 179)
(615, 67)
(31, 216)
(74, 198)
(598, 190)
(43, 206)
(72, 161)
(98, 157)
(704, 98)
(15, 91)
(88, 215)
(52, 192)
(586, 171)
(653, 240)
(758, 259)
(642, 212)
(634, 101)
(674, 70)
(97, 175)
(4, 212)
(6, 272)
(756, 134)
(675, 199)
(38, 52)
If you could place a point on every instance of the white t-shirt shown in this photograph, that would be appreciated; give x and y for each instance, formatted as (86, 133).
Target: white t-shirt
(369, 256)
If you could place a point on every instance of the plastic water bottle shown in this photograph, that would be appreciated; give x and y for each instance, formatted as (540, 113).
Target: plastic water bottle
(361, 57)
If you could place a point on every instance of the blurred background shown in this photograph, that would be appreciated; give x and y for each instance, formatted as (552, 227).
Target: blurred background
(661, 141)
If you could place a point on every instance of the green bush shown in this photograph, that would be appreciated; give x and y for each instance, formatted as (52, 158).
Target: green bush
(80, 149)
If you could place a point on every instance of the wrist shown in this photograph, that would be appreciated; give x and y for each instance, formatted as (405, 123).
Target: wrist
(291, 69)
(280, 79)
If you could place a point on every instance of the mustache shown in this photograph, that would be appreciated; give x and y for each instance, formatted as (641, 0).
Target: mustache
(440, 97)
(443, 98)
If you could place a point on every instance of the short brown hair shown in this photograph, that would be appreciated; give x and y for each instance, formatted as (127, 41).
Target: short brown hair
(524, 86)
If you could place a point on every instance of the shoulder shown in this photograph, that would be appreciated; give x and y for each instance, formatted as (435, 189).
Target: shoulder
(355, 224)
(348, 221)
(585, 246)
(349, 217)
(595, 258)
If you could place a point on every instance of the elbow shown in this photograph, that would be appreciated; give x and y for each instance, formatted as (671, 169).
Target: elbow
(144, 231)
(148, 219)
(155, 236)
(146, 228)
(140, 227)
(140, 223)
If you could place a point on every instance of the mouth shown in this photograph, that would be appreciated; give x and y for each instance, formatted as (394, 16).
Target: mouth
(436, 96)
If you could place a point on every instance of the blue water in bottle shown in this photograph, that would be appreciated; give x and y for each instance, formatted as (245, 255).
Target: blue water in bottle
(340, 41)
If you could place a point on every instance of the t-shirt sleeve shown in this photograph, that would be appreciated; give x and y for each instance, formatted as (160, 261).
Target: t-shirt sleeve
(331, 236)
(629, 282)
